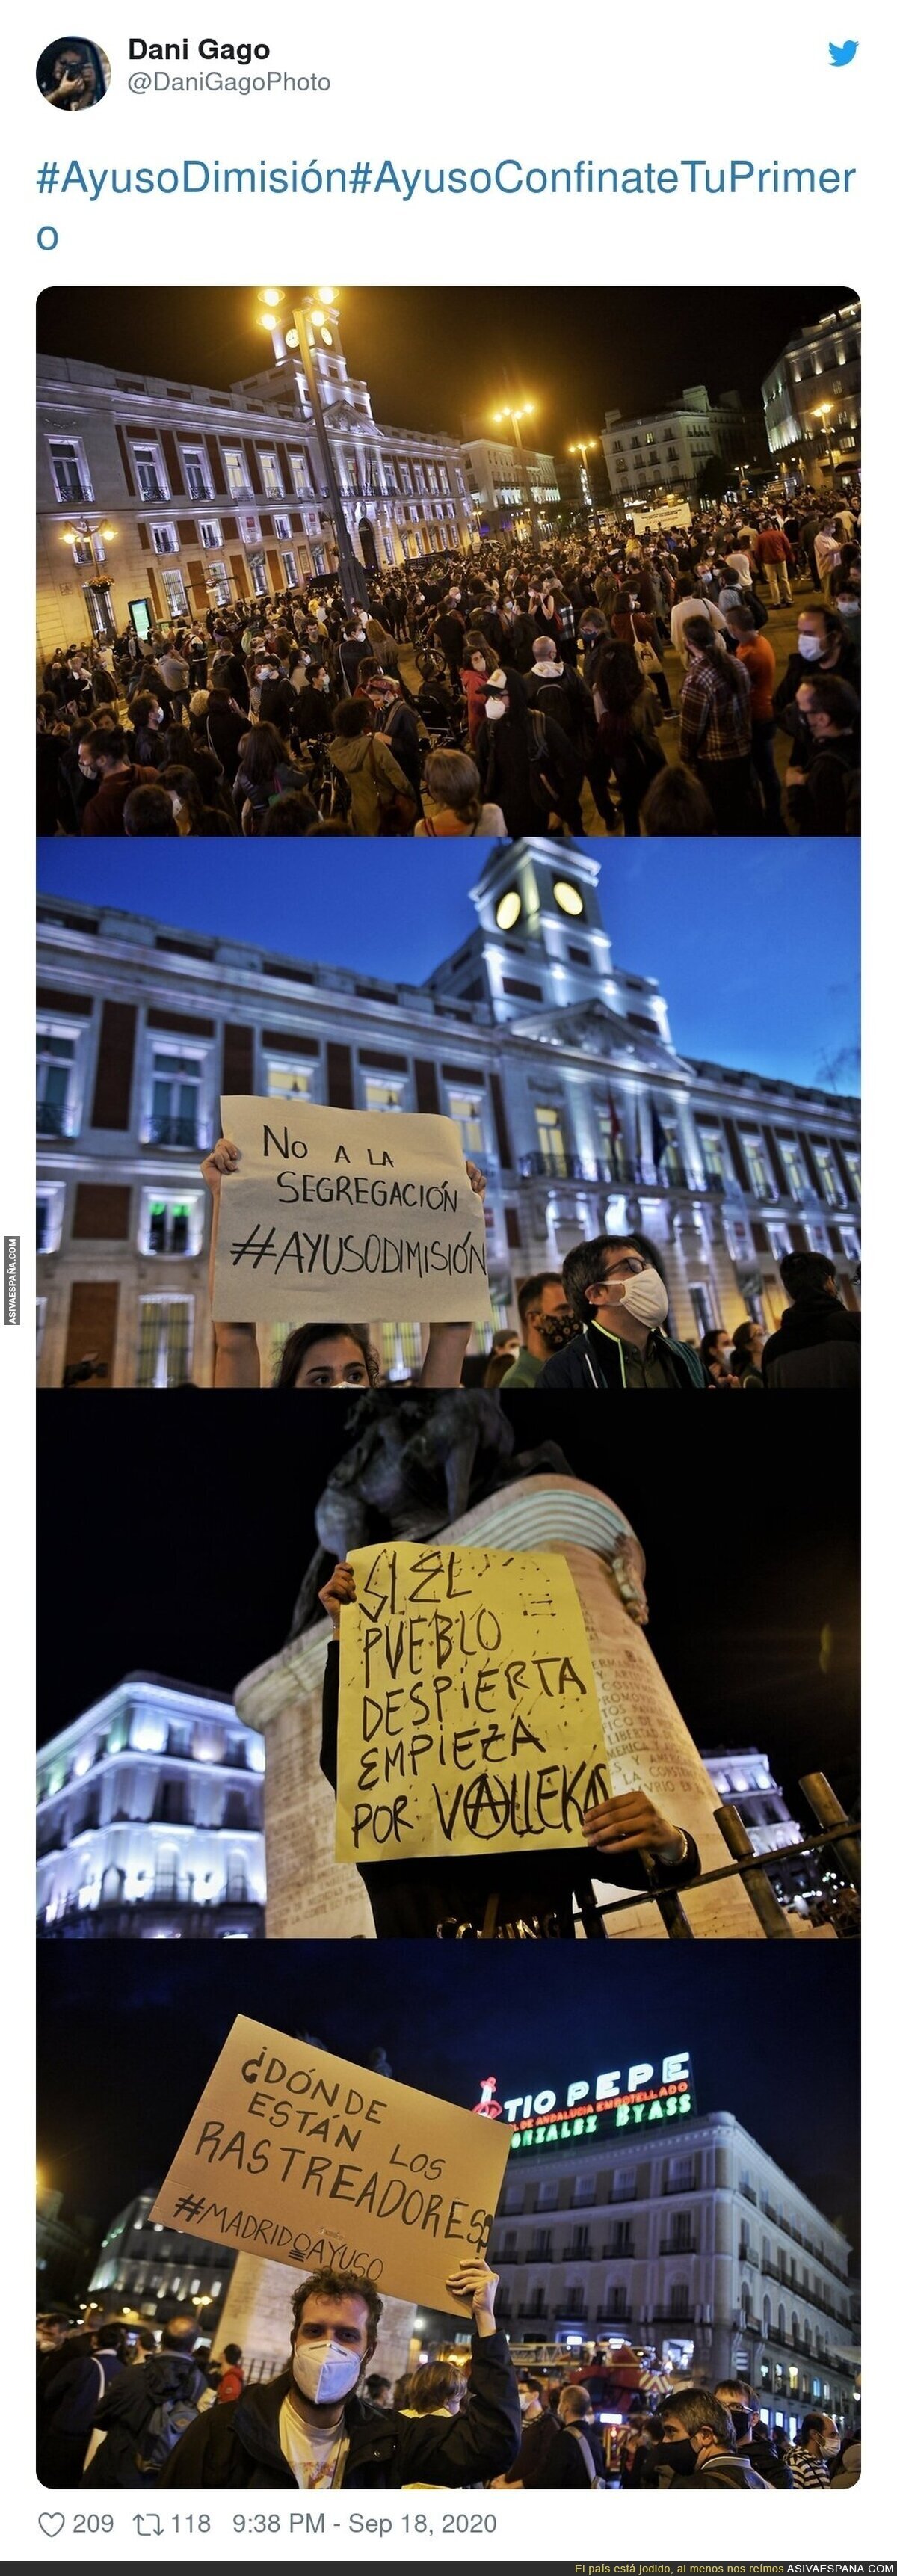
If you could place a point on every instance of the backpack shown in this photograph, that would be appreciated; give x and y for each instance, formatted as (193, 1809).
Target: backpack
(586, 2451)
(544, 795)
(164, 2427)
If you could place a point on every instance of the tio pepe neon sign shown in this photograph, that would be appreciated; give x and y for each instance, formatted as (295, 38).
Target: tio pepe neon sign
(630, 2098)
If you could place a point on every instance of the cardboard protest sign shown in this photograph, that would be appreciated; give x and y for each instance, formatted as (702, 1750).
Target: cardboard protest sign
(309, 2161)
(347, 1213)
(468, 1714)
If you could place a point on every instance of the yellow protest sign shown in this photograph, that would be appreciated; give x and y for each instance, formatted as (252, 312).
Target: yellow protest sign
(468, 1714)
(307, 2160)
(347, 1212)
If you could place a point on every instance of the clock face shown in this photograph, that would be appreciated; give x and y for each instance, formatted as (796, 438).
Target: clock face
(508, 909)
(568, 897)
(327, 337)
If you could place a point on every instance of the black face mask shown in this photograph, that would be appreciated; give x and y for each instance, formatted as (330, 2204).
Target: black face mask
(741, 2422)
(557, 1330)
(679, 2456)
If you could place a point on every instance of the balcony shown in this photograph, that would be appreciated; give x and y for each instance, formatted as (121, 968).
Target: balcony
(673, 2189)
(678, 2245)
(672, 2316)
(618, 2253)
(553, 1167)
(575, 2254)
(178, 1131)
(151, 489)
(51, 1120)
(614, 2316)
(748, 2254)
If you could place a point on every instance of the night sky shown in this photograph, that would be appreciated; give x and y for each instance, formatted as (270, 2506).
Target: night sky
(431, 355)
(192, 1533)
(123, 2056)
(698, 920)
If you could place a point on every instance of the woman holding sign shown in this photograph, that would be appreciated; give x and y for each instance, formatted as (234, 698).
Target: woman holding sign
(319, 1355)
(511, 1895)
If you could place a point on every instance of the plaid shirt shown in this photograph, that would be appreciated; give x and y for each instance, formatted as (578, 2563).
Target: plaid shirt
(564, 610)
(715, 720)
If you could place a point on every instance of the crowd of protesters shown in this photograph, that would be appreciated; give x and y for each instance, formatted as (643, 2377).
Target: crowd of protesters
(123, 2405)
(617, 682)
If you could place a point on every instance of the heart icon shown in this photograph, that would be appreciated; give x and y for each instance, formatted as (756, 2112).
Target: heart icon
(52, 2524)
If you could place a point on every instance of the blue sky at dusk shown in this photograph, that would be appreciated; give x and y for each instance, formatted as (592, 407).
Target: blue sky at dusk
(755, 945)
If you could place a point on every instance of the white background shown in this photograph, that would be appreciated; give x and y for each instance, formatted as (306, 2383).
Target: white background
(424, 83)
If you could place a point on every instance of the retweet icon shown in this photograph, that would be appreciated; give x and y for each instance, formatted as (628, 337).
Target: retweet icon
(842, 54)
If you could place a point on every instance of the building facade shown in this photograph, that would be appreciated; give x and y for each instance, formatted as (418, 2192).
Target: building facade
(667, 450)
(687, 2241)
(811, 399)
(558, 1067)
(152, 2272)
(158, 500)
(514, 491)
(150, 1820)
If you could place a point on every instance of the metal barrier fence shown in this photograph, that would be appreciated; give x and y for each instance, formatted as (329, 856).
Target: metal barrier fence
(750, 1867)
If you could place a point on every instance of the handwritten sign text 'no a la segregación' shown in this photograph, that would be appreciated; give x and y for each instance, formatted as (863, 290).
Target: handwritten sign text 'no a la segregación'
(347, 1212)
(468, 1713)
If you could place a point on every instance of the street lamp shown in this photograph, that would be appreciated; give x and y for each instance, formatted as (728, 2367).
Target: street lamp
(515, 414)
(583, 447)
(822, 413)
(309, 314)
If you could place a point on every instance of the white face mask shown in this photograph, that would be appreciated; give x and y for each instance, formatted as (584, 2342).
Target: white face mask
(848, 607)
(645, 1297)
(831, 2447)
(809, 648)
(324, 2372)
(495, 707)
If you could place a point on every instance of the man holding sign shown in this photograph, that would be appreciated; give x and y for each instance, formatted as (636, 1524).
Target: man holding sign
(463, 1738)
(311, 2426)
(359, 2185)
(322, 1211)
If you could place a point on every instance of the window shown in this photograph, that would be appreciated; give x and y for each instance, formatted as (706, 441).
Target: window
(166, 1339)
(552, 1148)
(680, 2300)
(385, 1091)
(170, 1225)
(217, 583)
(302, 482)
(258, 574)
(547, 2195)
(164, 536)
(175, 593)
(57, 1051)
(69, 469)
(210, 535)
(290, 573)
(466, 1108)
(49, 1214)
(287, 1078)
(756, 1163)
(238, 482)
(281, 524)
(196, 473)
(175, 1107)
(852, 1160)
(825, 1166)
(150, 472)
(795, 1174)
(271, 482)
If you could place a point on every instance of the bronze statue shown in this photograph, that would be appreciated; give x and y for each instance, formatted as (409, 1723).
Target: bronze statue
(417, 1464)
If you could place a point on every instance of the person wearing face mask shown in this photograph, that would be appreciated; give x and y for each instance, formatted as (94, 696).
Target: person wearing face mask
(824, 647)
(751, 2439)
(546, 1325)
(514, 1895)
(823, 779)
(312, 2426)
(617, 1293)
(526, 764)
(818, 2445)
(698, 2443)
(477, 664)
(716, 1353)
(102, 755)
(318, 1355)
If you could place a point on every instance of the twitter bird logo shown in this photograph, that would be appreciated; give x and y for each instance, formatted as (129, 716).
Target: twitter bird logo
(842, 54)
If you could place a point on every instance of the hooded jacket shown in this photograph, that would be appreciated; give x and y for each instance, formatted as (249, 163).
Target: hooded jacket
(595, 1359)
(412, 1899)
(363, 760)
(238, 2445)
(817, 1344)
(125, 2412)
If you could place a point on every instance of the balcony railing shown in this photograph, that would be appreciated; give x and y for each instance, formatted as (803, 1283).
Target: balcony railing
(576, 2254)
(678, 2245)
(616, 2253)
(177, 1131)
(50, 1120)
(672, 2316)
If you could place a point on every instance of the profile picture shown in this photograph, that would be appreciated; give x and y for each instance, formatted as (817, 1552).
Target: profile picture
(73, 73)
